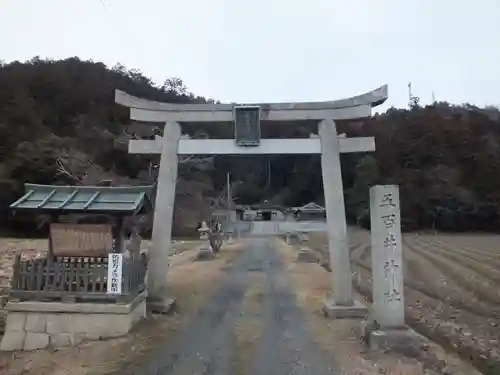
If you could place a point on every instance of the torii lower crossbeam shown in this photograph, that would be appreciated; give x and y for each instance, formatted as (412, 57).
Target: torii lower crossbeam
(267, 146)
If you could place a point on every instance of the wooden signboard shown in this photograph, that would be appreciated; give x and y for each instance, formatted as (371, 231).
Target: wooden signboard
(84, 240)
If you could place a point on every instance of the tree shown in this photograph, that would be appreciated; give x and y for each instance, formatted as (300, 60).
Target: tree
(59, 124)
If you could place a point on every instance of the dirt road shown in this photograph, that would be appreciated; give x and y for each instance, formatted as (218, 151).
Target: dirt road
(209, 344)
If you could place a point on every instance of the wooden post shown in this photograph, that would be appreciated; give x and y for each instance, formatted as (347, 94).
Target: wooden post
(119, 235)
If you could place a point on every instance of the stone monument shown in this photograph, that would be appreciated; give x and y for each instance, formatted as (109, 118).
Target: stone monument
(388, 328)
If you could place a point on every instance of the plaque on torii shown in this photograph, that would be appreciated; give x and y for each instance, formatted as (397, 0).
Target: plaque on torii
(246, 120)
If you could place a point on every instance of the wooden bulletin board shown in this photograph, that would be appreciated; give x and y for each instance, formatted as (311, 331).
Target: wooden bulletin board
(87, 240)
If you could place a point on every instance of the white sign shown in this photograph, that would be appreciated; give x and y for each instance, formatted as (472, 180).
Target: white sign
(387, 255)
(115, 271)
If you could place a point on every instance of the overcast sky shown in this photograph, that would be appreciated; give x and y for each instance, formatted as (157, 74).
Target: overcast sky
(275, 50)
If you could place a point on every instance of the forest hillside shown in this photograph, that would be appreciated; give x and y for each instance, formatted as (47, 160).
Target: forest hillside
(59, 124)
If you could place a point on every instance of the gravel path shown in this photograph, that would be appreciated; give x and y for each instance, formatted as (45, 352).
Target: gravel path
(206, 346)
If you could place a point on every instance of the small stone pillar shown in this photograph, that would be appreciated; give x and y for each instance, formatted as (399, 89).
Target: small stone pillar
(288, 238)
(206, 251)
(204, 231)
(134, 245)
(388, 328)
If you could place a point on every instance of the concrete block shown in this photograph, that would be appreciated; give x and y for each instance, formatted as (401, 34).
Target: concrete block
(356, 310)
(138, 313)
(161, 306)
(85, 322)
(89, 323)
(12, 340)
(326, 265)
(16, 321)
(306, 255)
(60, 340)
(205, 254)
(118, 325)
(35, 341)
(36, 322)
(84, 307)
(400, 340)
(79, 337)
(59, 323)
(101, 325)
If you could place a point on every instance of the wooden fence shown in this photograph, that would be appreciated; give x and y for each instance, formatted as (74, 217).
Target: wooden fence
(75, 278)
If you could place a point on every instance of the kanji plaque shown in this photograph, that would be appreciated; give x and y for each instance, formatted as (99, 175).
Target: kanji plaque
(246, 125)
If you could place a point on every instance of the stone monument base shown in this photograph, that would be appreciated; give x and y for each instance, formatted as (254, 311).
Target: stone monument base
(161, 306)
(397, 339)
(36, 325)
(356, 310)
(306, 255)
(205, 254)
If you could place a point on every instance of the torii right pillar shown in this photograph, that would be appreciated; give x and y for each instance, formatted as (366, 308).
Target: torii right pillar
(342, 305)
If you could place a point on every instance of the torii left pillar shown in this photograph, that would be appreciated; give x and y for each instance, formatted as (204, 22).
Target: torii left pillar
(342, 305)
(159, 299)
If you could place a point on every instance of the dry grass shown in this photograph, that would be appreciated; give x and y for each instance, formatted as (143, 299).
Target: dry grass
(341, 338)
(9, 248)
(190, 282)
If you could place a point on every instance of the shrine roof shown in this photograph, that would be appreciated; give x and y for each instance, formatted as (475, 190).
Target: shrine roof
(120, 200)
(311, 206)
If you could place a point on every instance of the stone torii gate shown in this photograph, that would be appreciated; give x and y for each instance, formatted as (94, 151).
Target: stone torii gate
(246, 119)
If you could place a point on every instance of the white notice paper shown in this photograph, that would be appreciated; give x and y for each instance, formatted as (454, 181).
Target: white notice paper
(115, 265)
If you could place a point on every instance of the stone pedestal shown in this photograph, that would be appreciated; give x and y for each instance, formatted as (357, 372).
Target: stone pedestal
(205, 253)
(337, 311)
(306, 255)
(397, 339)
(161, 305)
(38, 325)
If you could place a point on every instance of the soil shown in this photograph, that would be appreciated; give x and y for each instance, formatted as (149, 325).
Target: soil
(451, 289)
(255, 292)
(343, 337)
(252, 310)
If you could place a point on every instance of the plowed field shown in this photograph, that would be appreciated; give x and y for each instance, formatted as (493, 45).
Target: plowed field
(452, 289)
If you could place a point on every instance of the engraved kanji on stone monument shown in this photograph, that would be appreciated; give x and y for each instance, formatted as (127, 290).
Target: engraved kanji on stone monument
(387, 256)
